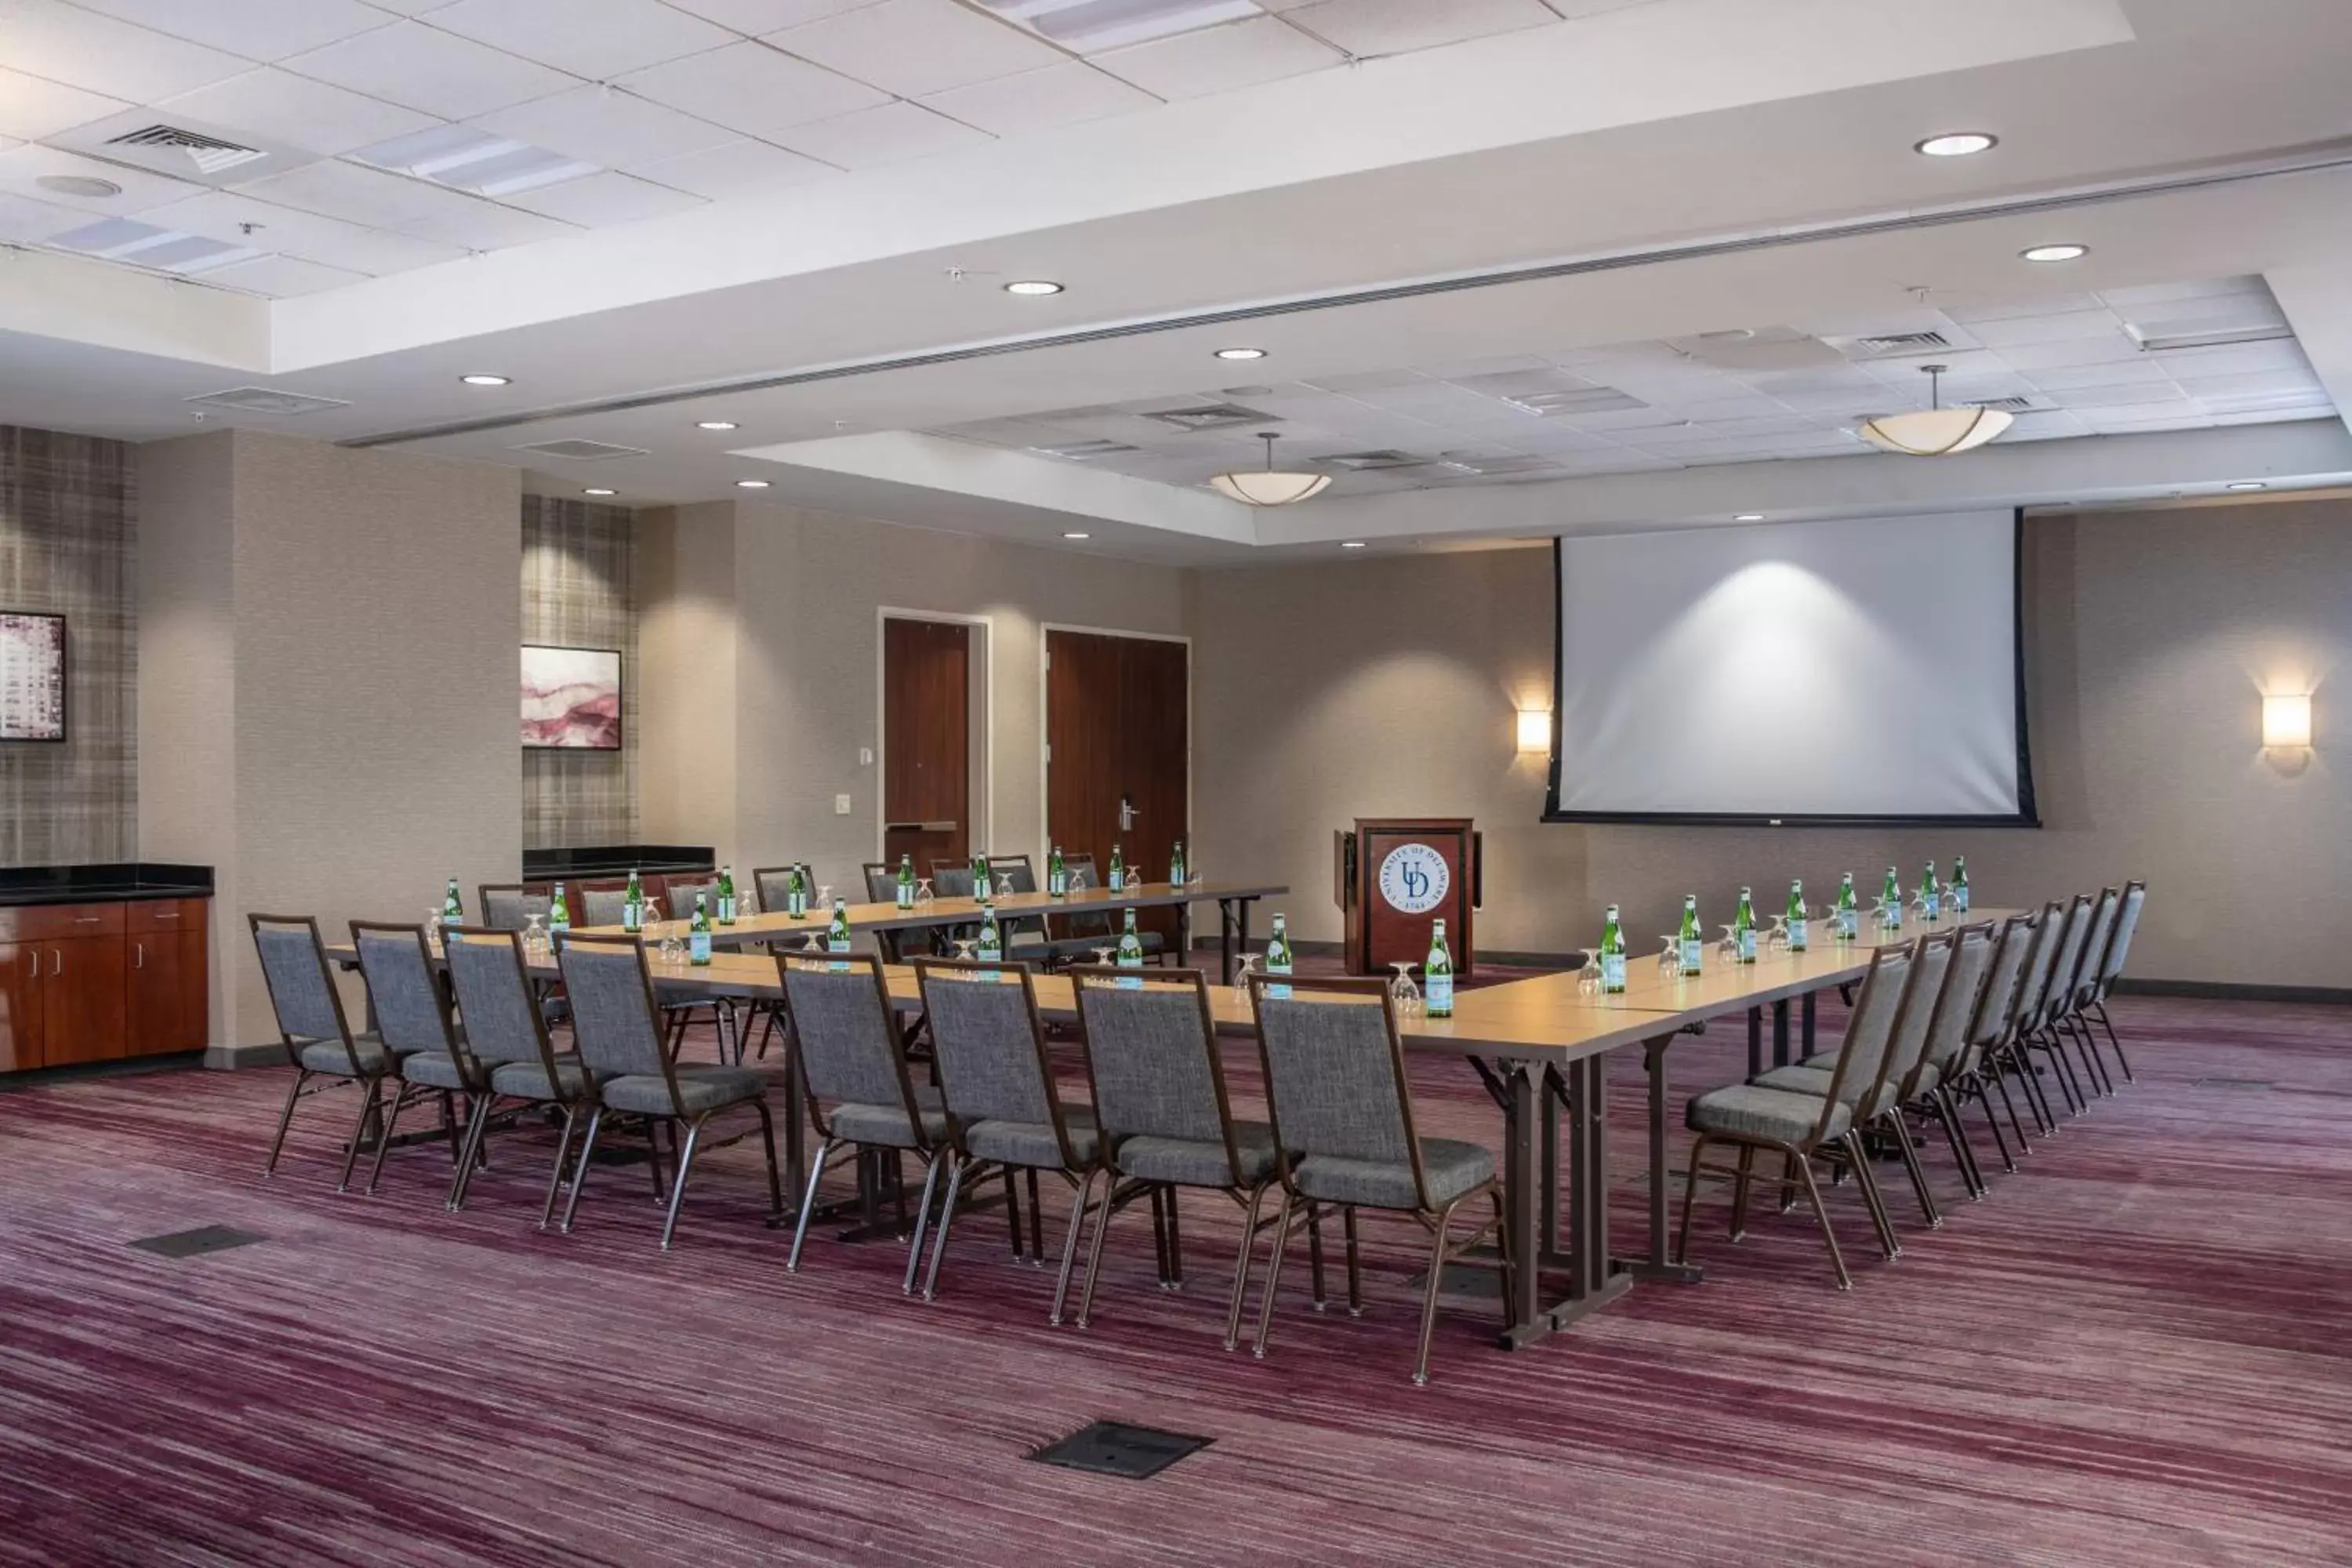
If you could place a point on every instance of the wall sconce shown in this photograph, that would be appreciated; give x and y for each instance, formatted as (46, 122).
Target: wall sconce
(2286, 722)
(1535, 730)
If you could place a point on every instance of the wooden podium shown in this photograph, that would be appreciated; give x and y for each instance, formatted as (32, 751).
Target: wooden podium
(1394, 877)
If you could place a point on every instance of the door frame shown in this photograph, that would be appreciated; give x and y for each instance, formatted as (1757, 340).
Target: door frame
(1045, 726)
(983, 668)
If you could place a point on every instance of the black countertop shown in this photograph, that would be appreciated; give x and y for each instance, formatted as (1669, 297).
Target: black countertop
(117, 883)
(615, 860)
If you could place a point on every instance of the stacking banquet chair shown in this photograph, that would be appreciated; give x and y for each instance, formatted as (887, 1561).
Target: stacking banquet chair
(1166, 1120)
(1922, 1092)
(854, 1077)
(615, 1022)
(1084, 932)
(1025, 937)
(2101, 981)
(1803, 1127)
(412, 1018)
(317, 1033)
(1004, 1113)
(1978, 1068)
(729, 1010)
(506, 1039)
(1876, 1099)
(508, 906)
(2010, 1056)
(882, 887)
(768, 883)
(1344, 1136)
(2040, 1032)
(2066, 1014)
(601, 906)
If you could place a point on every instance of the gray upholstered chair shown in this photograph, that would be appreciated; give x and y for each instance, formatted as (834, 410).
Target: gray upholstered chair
(1005, 1114)
(508, 906)
(1345, 1138)
(852, 1066)
(506, 1035)
(768, 883)
(1979, 1070)
(1800, 1126)
(2074, 993)
(881, 881)
(2041, 1033)
(2013, 1058)
(412, 1018)
(680, 1004)
(317, 1034)
(616, 1022)
(2110, 968)
(1084, 931)
(1922, 1092)
(1167, 1121)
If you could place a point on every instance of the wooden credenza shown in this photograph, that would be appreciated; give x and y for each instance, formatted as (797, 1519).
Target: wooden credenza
(99, 982)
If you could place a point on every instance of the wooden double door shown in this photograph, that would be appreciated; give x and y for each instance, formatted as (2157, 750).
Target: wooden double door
(1118, 748)
(926, 741)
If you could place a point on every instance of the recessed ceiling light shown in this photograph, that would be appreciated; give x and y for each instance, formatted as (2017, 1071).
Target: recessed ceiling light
(1957, 144)
(1074, 534)
(1241, 353)
(87, 186)
(1352, 544)
(598, 493)
(1033, 286)
(2250, 485)
(483, 380)
(714, 425)
(751, 484)
(2056, 253)
(1749, 517)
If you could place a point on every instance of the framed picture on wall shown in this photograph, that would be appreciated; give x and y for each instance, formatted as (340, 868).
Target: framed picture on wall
(571, 699)
(32, 677)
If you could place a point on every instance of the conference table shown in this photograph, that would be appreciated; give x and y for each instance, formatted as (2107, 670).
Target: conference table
(1235, 901)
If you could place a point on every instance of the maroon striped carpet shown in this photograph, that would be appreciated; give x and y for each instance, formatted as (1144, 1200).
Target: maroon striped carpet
(2134, 1352)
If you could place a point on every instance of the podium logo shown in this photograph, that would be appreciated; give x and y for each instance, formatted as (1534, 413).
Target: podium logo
(1414, 879)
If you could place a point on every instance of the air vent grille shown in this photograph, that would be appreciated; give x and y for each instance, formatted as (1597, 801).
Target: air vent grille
(582, 451)
(2006, 404)
(1372, 462)
(208, 154)
(2162, 342)
(1586, 400)
(1898, 343)
(263, 400)
(1209, 416)
(1079, 451)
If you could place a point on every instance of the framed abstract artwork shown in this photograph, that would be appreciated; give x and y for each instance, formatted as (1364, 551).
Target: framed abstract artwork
(32, 677)
(571, 699)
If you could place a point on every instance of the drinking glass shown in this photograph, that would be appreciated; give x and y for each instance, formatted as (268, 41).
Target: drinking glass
(1672, 958)
(1777, 938)
(1242, 974)
(1005, 884)
(923, 894)
(815, 943)
(670, 949)
(1587, 979)
(825, 897)
(1401, 990)
(534, 938)
(1103, 956)
(1078, 882)
(433, 929)
(966, 946)
(1730, 945)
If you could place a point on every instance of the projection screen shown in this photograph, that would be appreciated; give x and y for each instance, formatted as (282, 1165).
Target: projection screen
(1859, 671)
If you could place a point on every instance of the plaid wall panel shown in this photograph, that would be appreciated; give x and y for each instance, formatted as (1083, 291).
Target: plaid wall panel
(578, 592)
(66, 538)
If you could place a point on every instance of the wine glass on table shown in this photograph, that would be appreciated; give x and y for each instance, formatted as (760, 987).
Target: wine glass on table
(1402, 991)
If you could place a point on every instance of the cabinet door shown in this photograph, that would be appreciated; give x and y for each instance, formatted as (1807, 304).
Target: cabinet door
(82, 996)
(168, 1000)
(20, 1007)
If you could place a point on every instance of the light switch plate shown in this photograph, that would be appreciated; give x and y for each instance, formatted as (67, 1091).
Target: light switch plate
(865, 756)
(841, 806)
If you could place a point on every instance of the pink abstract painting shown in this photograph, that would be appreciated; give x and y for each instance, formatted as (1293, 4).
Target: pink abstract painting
(572, 698)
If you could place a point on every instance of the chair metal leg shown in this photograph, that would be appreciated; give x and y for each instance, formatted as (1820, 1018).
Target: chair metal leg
(284, 1120)
(1866, 1180)
(1512, 1263)
(1822, 1217)
(1094, 1252)
(768, 1147)
(1070, 1247)
(368, 1112)
(652, 1156)
(1175, 1240)
(1315, 1252)
(1241, 1264)
(2107, 1023)
(1036, 1223)
(587, 1162)
(1690, 1196)
(1013, 1208)
(2001, 1081)
(449, 1125)
(947, 1219)
(1739, 1191)
(1355, 1264)
(1789, 1163)
(391, 1120)
(2037, 1098)
(677, 1182)
(555, 1173)
(922, 1222)
(477, 1124)
(1917, 1173)
(1273, 1277)
(1429, 1292)
(1949, 1115)
(2088, 1043)
(2063, 1071)
(808, 1200)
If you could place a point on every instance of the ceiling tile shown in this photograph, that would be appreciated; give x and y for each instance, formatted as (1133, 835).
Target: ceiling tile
(313, 237)
(598, 39)
(890, 134)
(425, 69)
(2123, 373)
(757, 16)
(918, 47)
(281, 106)
(2064, 327)
(2167, 293)
(603, 199)
(1366, 28)
(282, 276)
(2030, 358)
(26, 221)
(1219, 59)
(21, 166)
(2003, 309)
(606, 126)
(753, 89)
(355, 194)
(478, 224)
(2232, 359)
(258, 29)
(1066, 94)
(32, 107)
(84, 49)
(411, 8)
(735, 172)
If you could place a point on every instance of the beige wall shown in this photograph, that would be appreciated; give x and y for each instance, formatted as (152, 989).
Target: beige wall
(327, 643)
(1376, 687)
(802, 625)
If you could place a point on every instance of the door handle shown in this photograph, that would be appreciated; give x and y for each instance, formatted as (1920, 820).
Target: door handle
(34, 974)
(1127, 815)
(137, 956)
(57, 962)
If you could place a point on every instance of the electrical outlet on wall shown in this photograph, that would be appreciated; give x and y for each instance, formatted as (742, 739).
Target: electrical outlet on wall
(865, 756)
(841, 806)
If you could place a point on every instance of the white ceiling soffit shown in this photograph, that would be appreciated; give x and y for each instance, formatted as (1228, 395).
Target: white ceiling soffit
(2318, 301)
(1643, 64)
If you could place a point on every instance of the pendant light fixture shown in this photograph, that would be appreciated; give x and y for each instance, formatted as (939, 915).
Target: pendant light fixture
(1935, 431)
(1270, 486)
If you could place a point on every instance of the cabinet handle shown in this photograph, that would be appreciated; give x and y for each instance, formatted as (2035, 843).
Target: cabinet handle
(57, 962)
(87, 920)
(137, 956)
(168, 915)
(34, 974)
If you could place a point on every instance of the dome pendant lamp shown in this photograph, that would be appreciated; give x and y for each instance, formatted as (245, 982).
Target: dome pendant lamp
(1269, 486)
(1935, 431)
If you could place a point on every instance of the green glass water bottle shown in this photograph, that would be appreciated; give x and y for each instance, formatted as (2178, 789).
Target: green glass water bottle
(633, 904)
(1130, 945)
(1117, 869)
(1743, 928)
(1931, 896)
(727, 895)
(992, 936)
(1959, 884)
(697, 934)
(1278, 957)
(1690, 946)
(1890, 901)
(1797, 935)
(795, 893)
(1437, 975)
(1057, 875)
(1176, 865)
(1613, 953)
(453, 908)
(836, 934)
(981, 885)
(1848, 909)
(906, 889)
(559, 913)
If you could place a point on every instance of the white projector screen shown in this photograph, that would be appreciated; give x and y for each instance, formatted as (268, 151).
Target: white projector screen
(1816, 672)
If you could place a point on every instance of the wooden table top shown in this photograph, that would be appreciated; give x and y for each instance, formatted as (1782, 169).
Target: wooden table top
(765, 926)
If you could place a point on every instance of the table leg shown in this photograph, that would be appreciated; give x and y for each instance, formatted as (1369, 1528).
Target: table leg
(1659, 1264)
(1780, 1033)
(1755, 1041)
(1521, 1179)
(1593, 1284)
(1805, 1011)
(1547, 1154)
